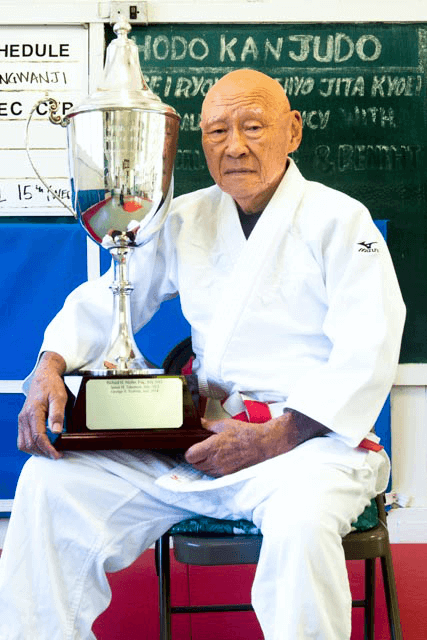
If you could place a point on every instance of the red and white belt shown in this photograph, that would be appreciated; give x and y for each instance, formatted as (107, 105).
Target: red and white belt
(259, 412)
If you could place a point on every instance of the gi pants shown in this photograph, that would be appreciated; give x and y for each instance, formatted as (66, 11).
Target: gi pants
(88, 513)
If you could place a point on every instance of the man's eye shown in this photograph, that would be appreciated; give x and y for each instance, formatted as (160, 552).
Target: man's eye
(253, 128)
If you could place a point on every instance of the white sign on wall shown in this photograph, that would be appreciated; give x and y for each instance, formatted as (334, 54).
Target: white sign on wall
(36, 61)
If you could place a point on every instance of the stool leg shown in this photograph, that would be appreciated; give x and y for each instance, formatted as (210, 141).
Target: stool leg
(391, 596)
(163, 572)
(369, 598)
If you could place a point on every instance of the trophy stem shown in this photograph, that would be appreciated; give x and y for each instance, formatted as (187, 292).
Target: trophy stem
(123, 355)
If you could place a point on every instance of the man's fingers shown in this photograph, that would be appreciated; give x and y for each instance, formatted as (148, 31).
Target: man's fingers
(56, 411)
(216, 426)
(194, 455)
(32, 436)
(199, 451)
(44, 445)
(24, 434)
(46, 401)
(57, 427)
(56, 422)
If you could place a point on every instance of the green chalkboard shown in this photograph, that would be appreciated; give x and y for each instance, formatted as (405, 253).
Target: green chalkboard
(361, 90)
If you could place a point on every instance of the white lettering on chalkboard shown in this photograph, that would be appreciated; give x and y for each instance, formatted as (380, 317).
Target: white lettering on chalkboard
(315, 119)
(296, 85)
(342, 87)
(189, 160)
(384, 118)
(345, 158)
(190, 122)
(175, 48)
(387, 86)
(334, 48)
(337, 48)
(377, 86)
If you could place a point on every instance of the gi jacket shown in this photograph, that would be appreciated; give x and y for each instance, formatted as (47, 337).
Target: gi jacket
(307, 311)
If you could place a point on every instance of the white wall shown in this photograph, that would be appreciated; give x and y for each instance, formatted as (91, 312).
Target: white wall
(60, 11)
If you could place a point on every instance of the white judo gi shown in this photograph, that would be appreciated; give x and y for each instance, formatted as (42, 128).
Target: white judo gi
(305, 314)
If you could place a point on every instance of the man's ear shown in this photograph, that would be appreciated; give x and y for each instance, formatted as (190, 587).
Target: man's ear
(296, 131)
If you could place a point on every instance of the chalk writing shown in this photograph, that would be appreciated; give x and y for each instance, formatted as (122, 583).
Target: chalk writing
(337, 48)
(174, 48)
(334, 48)
(368, 116)
(360, 157)
(190, 122)
(318, 119)
(342, 87)
(189, 160)
(315, 119)
(350, 86)
(387, 86)
(296, 85)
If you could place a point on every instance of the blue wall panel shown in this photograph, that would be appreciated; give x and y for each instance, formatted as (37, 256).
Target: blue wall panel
(11, 460)
(42, 263)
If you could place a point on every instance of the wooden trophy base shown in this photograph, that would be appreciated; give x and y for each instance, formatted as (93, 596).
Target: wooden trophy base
(159, 409)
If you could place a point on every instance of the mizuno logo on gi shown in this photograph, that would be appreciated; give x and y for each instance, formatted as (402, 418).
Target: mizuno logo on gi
(366, 247)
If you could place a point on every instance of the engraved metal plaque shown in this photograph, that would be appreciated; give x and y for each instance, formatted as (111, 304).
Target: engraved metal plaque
(131, 412)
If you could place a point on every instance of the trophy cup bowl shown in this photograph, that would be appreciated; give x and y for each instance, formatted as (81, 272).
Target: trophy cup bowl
(121, 164)
(121, 146)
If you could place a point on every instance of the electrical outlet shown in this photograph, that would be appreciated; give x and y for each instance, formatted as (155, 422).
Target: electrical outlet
(132, 11)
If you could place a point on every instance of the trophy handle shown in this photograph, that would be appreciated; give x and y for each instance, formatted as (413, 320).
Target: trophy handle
(54, 118)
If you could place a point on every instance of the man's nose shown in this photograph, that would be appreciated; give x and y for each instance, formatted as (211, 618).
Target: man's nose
(236, 145)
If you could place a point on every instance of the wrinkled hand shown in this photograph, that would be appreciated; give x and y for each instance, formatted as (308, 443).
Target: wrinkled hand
(235, 445)
(46, 399)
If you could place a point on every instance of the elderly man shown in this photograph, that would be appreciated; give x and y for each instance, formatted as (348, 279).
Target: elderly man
(285, 310)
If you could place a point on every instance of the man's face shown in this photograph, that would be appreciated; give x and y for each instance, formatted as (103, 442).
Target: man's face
(247, 133)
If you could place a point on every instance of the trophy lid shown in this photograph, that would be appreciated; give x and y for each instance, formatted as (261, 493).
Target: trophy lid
(123, 85)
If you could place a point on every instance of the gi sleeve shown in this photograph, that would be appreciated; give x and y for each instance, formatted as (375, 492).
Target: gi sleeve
(364, 323)
(81, 331)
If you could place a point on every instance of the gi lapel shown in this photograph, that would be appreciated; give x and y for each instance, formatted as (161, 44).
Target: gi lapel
(248, 264)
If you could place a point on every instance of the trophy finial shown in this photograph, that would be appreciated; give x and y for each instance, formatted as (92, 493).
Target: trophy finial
(122, 71)
(122, 27)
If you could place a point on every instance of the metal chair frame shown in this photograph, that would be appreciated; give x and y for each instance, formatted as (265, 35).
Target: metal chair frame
(244, 549)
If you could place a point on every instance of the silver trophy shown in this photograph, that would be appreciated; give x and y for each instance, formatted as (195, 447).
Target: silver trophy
(121, 144)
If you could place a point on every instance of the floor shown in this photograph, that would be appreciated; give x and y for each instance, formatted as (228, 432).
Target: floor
(133, 613)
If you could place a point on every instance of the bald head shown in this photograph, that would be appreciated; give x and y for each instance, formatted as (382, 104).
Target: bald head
(248, 130)
(246, 82)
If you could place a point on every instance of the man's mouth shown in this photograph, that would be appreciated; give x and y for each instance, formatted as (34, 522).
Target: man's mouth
(230, 171)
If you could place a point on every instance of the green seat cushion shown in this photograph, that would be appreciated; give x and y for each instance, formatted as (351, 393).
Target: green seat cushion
(368, 519)
(203, 525)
